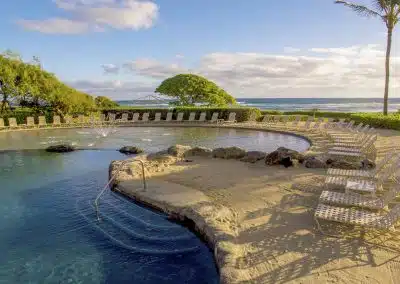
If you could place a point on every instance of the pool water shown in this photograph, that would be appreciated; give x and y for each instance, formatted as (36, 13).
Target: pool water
(49, 232)
(48, 227)
(152, 138)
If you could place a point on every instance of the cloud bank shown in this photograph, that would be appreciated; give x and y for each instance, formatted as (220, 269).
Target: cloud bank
(317, 72)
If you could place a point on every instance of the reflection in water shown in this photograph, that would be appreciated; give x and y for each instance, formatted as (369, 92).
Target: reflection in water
(153, 138)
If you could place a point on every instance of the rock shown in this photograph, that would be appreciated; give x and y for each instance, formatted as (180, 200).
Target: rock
(275, 157)
(161, 157)
(178, 150)
(198, 151)
(286, 162)
(63, 148)
(314, 163)
(343, 164)
(253, 156)
(229, 153)
(130, 150)
(367, 164)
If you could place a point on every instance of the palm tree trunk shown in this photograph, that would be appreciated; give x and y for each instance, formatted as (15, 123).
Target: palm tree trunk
(387, 71)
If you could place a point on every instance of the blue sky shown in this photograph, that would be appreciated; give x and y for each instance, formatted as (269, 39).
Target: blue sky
(257, 48)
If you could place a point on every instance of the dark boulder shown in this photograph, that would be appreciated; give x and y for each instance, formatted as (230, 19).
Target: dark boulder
(253, 156)
(128, 150)
(229, 153)
(198, 151)
(275, 157)
(63, 148)
(314, 163)
(286, 162)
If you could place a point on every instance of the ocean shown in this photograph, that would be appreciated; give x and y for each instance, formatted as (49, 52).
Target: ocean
(291, 104)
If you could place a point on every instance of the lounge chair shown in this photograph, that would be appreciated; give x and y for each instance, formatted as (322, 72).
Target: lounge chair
(81, 120)
(388, 159)
(56, 121)
(231, 118)
(357, 200)
(179, 117)
(2, 125)
(12, 123)
(295, 123)
(192, 117)
(375, 180)
(145, 117)
(371, 186)
(202, 117)
(68, 121)
(169, 117)
(308, 123)
(365, 219)
(157, 117)
(111, 117)
(30, 122)
(124, 118)
(266, 119)
(135, 117)
(214, 117)
(42, 121)
(102, 117)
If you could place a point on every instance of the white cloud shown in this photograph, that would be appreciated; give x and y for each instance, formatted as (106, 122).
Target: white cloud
(289, 49)
(110, 68)
(326, 72)
(97, 15)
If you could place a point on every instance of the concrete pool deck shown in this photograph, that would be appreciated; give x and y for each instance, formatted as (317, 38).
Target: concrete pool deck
(259, 220)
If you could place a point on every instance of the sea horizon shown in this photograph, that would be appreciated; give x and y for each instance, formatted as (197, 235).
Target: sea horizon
(293, 104)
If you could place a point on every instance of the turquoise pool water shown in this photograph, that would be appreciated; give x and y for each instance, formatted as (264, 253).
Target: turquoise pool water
(48, 227)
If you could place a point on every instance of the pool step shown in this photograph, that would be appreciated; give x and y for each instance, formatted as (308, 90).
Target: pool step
(135, 234)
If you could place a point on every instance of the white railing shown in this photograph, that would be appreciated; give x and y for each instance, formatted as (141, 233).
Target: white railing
(96, 201)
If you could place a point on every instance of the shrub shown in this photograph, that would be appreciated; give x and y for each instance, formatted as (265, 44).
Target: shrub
(378, 120)
(21, 114)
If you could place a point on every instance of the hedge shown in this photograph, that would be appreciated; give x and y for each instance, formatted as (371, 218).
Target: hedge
(21, 115)
(378, 120)
(242, 114)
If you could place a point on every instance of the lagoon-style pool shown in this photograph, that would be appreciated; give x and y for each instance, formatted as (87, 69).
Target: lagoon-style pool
(48, 229)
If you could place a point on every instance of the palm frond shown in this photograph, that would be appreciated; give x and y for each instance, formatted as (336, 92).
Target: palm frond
(360, 9)
(381, 5)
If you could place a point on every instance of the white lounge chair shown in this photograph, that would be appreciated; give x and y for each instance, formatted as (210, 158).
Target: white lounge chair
(124, 118)
(192, 117)
(2, 125)
(135, 117)
(202, 117)
(30, 122)
(372, 186)
(169, 117)
(214, 117)
(42, 121)
(179, 117)
(295, 123)
(111, 117)
(102, 117)
(145, 117)
(388, 159)
(231, 118)
(358, 200)
(12, 123)
(157, 117)
(365, 219)
(56, 121)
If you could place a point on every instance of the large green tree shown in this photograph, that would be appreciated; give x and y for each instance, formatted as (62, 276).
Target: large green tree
(29, 85)
(389, 12)
(190, 89)
(104, 102)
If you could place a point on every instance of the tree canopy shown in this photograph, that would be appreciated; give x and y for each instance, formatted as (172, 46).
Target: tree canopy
(28, 85)
(104, 102)
(190, 89)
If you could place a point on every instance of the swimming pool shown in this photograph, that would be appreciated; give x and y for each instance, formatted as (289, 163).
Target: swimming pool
(48, 229)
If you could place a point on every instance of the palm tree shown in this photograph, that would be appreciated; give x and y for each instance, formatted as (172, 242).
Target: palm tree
(389, 12)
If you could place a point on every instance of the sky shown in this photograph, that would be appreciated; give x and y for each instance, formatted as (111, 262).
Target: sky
(252, 48)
